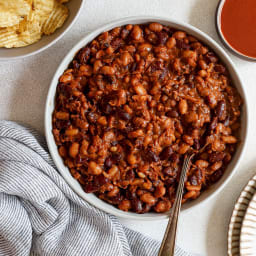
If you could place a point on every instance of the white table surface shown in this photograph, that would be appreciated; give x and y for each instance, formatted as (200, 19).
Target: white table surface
(24, 85)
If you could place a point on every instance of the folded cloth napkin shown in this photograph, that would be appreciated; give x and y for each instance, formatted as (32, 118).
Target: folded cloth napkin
(41, 215)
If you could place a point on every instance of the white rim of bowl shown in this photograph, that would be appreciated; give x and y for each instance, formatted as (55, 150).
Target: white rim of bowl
(228, 45)
(84, 41)
(51, 43)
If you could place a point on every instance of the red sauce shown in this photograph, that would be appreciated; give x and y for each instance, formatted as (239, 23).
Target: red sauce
(238, 25)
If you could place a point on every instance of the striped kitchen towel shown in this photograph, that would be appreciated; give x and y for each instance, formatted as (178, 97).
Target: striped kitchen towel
(41, 215)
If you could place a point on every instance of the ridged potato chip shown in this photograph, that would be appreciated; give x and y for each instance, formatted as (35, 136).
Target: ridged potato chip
(56, 19)
(23, 34)
(8, 37)
(43, 7)
(8, 19)
(23, 22)
(29, 32)
(19, 7)
(13, 11)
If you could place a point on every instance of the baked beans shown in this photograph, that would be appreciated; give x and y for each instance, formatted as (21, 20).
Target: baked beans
(132, 103)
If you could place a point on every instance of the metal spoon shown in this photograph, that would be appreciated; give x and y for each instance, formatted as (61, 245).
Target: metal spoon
(168, 243)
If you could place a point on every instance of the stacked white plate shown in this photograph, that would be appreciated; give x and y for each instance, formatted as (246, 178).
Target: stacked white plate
(242, 227)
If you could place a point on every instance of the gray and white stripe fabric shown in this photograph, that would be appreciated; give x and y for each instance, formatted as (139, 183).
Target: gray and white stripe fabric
(41, 215)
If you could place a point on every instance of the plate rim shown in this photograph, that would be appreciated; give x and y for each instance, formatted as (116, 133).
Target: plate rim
(244, 195)
(243, 249)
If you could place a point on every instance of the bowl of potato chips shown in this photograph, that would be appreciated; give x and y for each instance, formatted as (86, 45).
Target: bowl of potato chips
(28, 27)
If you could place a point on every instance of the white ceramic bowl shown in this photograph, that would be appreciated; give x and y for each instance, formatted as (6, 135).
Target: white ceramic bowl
(74, 7)
(91, 198)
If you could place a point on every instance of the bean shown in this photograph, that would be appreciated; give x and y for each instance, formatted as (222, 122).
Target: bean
(171, 42)
(126, 58)
(136, 133)
(102, 120)
(147, 185)
(229, 139)
(214, 123)
(202, 64)
(173, 114)
(136, 33)
(160, 191)
(202, 164)
(92, 117)
(94, 168)
(62, 115)
(174, 158)
(124, 115)
(102, 180)
(141, 175)
(113, 149)
(188, 139)
(189, 194)
(151, 156)
(97, 65)
(110, 50)
(140, 90)
(74, 149)
(216, 157)
(216, 166)
(113, 192)
(218, 145)
(189, 54)
(107, 70)
(125, 205)
(155, 27)
(179, 35)
(163, 206)
(220, 68)
(183, 148)
(108, 162)
(162, 38)
(71, 132)
(131, 158)
(113, 171)
(177, 65)
(210, 57)
(145, 47)
(220, 110)
(76, 175)
(166, 153)
(137, 205)
(130, 175)
(191, 117)
(202, 73)
(183, 106)
(66, 78)
(85, 70)
(109, 136)
(84, 147)
(63, 151)
(148, 199)
(140, 122)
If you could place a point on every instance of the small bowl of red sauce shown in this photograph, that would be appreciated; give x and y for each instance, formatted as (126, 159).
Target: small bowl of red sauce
(236, 25)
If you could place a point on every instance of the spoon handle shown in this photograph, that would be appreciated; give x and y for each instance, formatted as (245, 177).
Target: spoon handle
(168, 243)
